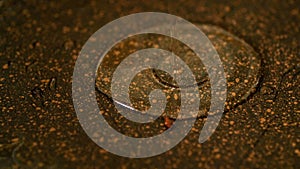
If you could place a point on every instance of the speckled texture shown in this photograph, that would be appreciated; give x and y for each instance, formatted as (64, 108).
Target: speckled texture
(241, 65)
(38, 48)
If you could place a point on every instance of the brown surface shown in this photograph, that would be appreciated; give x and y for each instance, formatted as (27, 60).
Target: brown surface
(40, 42)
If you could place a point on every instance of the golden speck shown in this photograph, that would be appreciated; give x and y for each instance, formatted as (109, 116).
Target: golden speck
(236, 132)
(175, 96)
(117, 52)
(52, 129)
(262, 120)
(14, 140)
(297, 151)
(218, 156)
(156, 46)
(106, 79)
(5, 66)
(227, 8)
(66, 29)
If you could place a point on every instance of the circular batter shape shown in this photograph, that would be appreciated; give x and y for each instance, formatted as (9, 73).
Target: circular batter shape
(92, 56)
(241, 65)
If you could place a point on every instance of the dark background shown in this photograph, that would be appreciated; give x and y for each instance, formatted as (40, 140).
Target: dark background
(39, 44)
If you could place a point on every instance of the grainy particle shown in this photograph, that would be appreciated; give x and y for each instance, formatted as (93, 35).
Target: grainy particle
(5, 66)
(14, 140)
(66, 29)
(297, 151)
(106, 79)
(117, 52)
(262, 120)
(227, 8)
(52, 129)
(175, 97)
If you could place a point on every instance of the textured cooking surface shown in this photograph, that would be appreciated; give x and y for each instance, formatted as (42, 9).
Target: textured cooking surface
(40, 42)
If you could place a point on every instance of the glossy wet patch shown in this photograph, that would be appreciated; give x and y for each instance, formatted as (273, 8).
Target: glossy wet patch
(241, 64)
